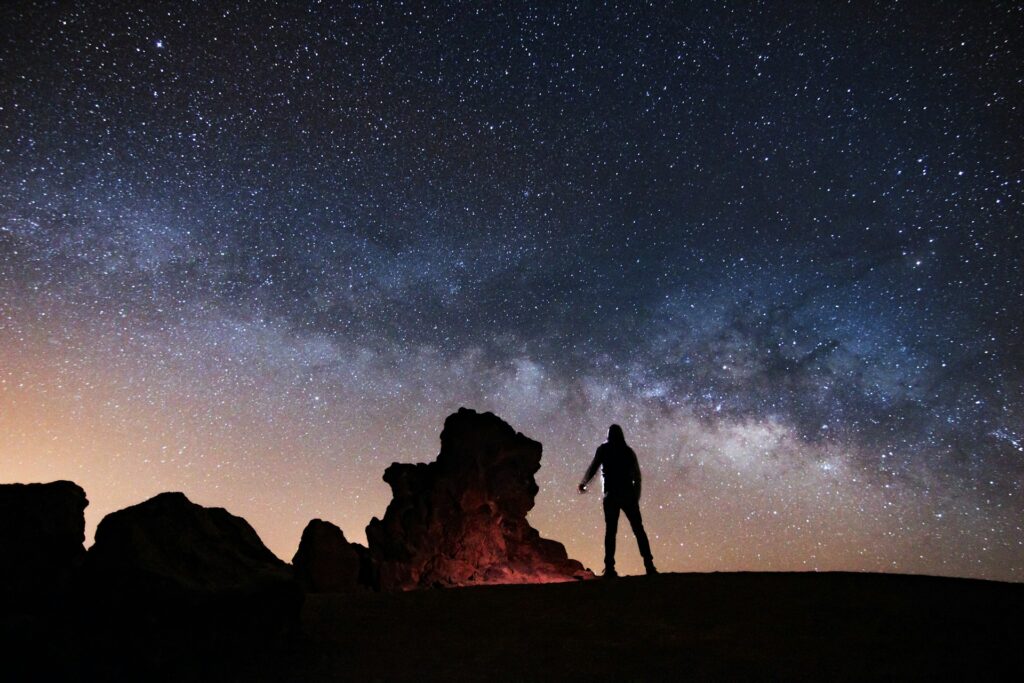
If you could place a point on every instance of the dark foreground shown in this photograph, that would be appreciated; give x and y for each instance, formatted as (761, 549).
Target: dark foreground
(825, 626)
(696, 626)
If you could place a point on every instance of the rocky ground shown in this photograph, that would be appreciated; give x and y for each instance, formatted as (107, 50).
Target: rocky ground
(824, 626)
(829, 626)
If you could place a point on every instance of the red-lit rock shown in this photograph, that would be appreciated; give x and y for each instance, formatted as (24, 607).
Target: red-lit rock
(461, 520)
(326, 562)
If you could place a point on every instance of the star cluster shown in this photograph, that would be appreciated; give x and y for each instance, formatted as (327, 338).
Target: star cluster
(258, 251)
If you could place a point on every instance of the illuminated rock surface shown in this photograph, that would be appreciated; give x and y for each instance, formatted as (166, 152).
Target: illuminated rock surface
(461, 520)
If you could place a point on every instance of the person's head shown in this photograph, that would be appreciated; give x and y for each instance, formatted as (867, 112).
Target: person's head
(615, 434)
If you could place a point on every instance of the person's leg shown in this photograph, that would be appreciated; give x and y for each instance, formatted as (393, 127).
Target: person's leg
(611, 526)
(632, 510)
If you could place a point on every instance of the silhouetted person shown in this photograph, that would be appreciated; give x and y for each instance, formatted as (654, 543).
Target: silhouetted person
(621, 474)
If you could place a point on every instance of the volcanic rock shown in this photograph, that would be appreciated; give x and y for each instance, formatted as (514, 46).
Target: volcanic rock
(42, 528)
(189, 574)
(169, 540)
(326, 562)
(461, 520)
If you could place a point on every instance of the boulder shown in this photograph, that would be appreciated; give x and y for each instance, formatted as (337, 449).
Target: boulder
(169, 541)
(326, 562)
(461, 520)
(42, 528)
(41, 536)
(196, 581)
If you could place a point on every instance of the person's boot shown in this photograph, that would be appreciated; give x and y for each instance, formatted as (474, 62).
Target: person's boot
(610, 573)
(649, 566)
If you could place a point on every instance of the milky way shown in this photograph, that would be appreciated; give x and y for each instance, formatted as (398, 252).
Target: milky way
(256, 253)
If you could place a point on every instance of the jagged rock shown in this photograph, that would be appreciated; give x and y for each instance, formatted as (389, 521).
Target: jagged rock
(185, 574)
(326, 562)
(42, 529)
(461, 520)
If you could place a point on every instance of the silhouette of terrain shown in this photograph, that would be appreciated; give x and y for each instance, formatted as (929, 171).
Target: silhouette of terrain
(174, 591)
(727, 626)
(326, 562)
(187, 574)
(42, 528)
(457, 521)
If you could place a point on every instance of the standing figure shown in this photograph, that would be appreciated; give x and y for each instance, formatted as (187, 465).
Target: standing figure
(621, 474)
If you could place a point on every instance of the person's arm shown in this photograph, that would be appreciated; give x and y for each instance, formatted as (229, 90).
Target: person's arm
(591, 471)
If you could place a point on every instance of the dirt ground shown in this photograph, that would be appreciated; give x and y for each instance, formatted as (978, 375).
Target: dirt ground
(824, 626)
(738, 626)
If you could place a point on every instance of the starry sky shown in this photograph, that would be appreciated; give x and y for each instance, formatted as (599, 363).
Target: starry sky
(256, 252)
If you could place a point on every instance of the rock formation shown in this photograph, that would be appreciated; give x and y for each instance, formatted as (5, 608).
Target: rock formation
(170, 541)
(187, 569)
(326, 562)
(42, 529)
(461, 520)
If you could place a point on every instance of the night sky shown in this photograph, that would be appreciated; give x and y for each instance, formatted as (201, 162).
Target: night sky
(256, 253)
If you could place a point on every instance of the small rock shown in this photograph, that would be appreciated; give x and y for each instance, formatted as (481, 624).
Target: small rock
(326, 562)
